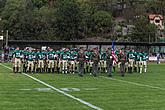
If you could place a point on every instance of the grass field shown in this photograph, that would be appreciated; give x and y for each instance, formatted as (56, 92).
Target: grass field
(132, 92)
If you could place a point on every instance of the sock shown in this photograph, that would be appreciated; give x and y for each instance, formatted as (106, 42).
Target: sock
(52, 70)
(140, 70)
(13, 69)
(145, 69)
(114, 69)
(130, 69)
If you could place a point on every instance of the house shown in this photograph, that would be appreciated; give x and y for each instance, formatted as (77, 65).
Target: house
(157, 19)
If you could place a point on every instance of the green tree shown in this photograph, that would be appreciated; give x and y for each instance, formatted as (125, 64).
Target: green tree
(156, 7)
(39, 3)
(87, 23)
(42, 24)
(144, 31)
(2, 5)
(12, 15)
(68, 20)
(24, 20)
(103, 22)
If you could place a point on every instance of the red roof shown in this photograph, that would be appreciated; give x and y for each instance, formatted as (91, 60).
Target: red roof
(152, 16)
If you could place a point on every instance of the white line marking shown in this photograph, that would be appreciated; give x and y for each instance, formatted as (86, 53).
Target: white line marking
(43, 89)
(90, 89)
(58, 90)
(24, 89)
(134, 83)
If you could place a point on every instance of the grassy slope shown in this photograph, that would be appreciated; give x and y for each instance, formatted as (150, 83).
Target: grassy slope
(108, 94)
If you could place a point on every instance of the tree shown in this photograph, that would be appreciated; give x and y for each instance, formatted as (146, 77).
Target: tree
(156, 7)
(87, 23)
(24, 20)
(68, 19)
(144, 31)
(42, 24)
(2, 5)
(11, 17)
(103, 22)
(39, 3)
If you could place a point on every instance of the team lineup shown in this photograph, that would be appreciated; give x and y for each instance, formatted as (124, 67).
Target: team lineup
(79, 60)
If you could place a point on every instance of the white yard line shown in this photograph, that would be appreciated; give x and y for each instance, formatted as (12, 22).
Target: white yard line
(134, 83)
(60, 91)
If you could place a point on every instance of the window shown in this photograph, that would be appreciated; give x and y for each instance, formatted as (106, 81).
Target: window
(157, 21)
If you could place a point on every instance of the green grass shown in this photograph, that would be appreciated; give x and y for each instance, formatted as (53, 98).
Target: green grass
(105, 93)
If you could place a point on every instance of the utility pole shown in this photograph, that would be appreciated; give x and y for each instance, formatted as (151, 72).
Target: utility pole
(7, 37)
(149, 43)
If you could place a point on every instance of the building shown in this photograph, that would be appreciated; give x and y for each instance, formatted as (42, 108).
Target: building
(157, 20)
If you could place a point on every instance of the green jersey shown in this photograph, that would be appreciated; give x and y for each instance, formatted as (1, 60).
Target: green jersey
(126, 53)
(17, 54)
(109, 55)
(139, 56)
(88, 55)
(73, 55)
(24, 54)
(131, 55)
(65, 55)
(57, 54)
(103, 56)
(145, 57)
(117, 54)
(40, 56)
(135, 56)
(34, 55)
(51, 55)
(30, 56)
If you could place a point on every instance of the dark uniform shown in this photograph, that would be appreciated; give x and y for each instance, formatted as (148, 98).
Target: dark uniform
(109, 62)
(122, 59)
(95, 59)
(81, 58)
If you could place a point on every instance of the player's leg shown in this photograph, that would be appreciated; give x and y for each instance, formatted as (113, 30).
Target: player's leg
(49, 64)
(85, 67)
(104, 66)
(135, 66)
(73, 68)
(53, 66)
(38, 66)
(42, 66)
(91, 66)
(141, 66)
(32, 66)
(28, 66)
(119, 67)
(50, 67)
(70, 65)
(19, 65)
(122, 69)
(59, 64)
(66, 66)
(145, 66)
(15, 65)
(131, 67)
(95, 69)
(114, 66)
